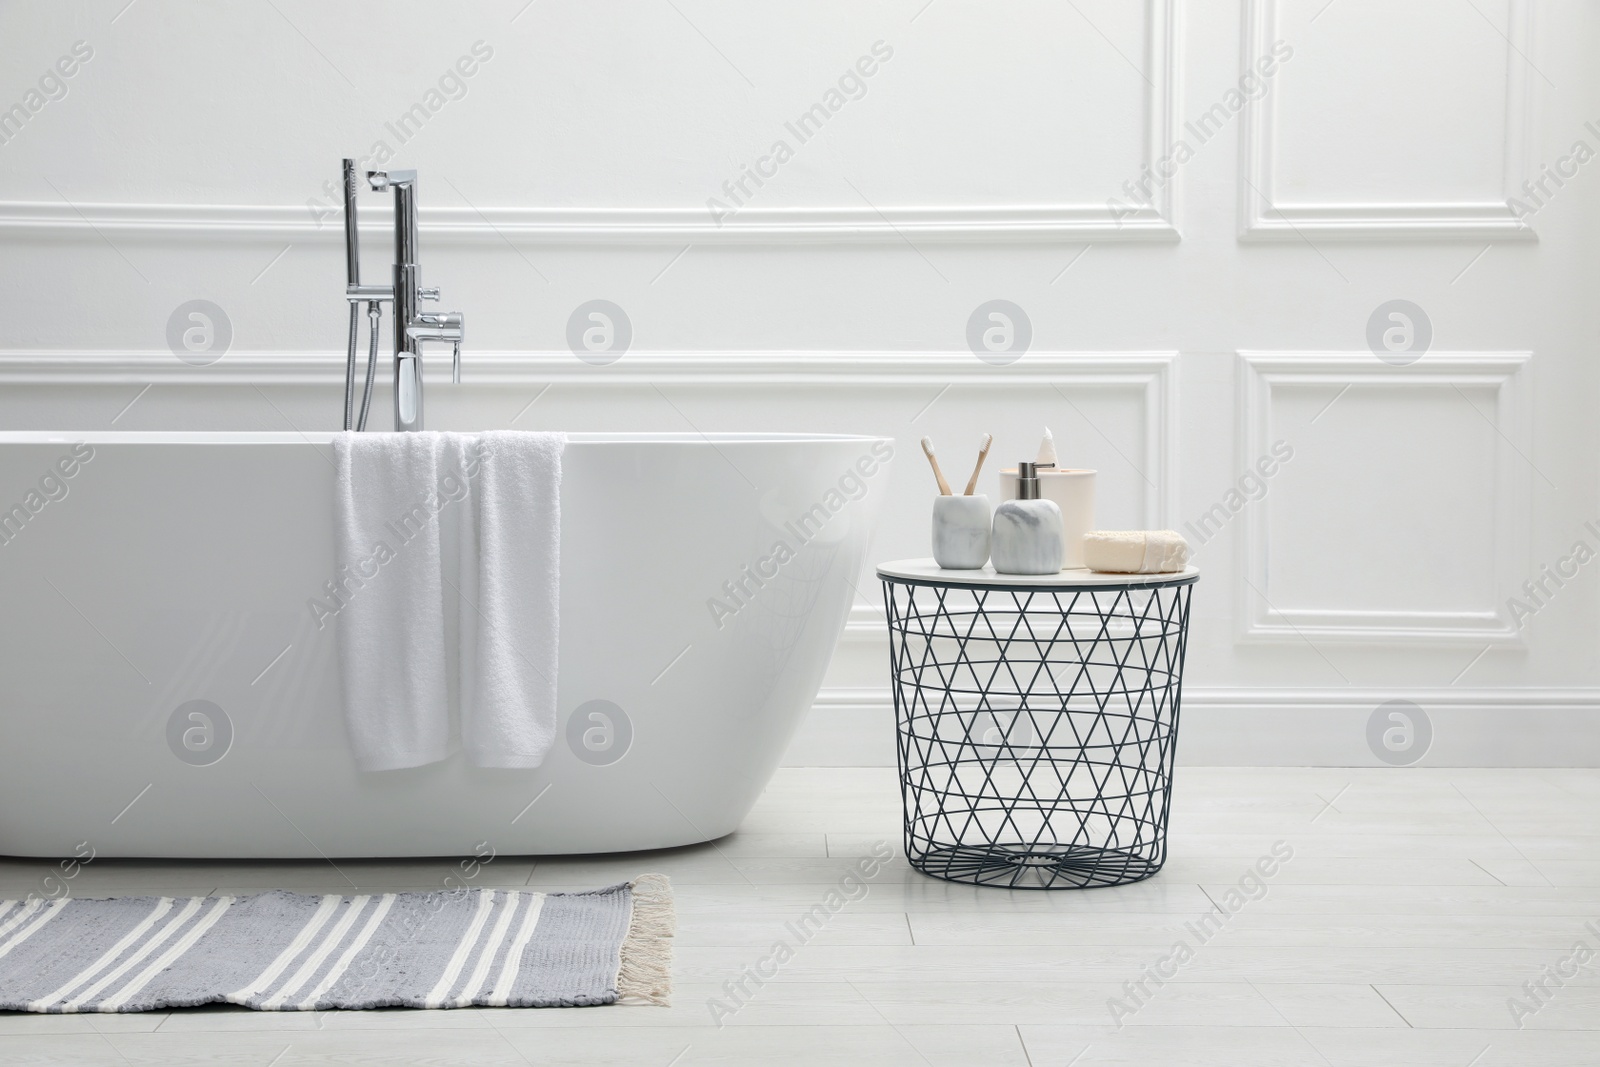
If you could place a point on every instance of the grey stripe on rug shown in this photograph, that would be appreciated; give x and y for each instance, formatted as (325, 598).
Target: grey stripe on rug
(292, 952)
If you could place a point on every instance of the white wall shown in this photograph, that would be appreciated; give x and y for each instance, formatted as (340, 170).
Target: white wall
(1173, 342)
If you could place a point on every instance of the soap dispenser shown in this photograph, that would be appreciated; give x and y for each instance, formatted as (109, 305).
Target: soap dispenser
(1027, 531)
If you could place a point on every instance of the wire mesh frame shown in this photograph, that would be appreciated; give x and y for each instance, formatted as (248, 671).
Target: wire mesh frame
(1036, 728)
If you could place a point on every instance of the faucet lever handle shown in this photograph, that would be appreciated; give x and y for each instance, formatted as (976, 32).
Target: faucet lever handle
(455, 362)
(427, 294)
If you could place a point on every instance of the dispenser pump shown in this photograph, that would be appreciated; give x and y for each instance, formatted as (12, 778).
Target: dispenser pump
(1028, 479)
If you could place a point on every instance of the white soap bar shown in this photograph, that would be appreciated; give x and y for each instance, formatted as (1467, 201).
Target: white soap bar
(1135, 551)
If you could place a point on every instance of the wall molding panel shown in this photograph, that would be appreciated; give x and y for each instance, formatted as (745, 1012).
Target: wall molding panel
(1151, 370)
(1263, 617)
(1263, 217)
(1312, 727)
(1153, 374)
(866, 623)
(461, 226)
(1084, 220)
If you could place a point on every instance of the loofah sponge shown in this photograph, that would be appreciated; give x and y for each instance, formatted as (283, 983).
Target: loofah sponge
(1135, 551)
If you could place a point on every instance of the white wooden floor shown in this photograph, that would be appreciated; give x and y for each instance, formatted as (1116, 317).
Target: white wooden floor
(1416, 904)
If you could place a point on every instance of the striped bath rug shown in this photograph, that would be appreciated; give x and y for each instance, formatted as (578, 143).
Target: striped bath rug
(293, 952)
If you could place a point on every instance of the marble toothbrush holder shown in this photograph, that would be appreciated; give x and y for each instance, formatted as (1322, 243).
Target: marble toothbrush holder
(961, 532)
(1073, 492)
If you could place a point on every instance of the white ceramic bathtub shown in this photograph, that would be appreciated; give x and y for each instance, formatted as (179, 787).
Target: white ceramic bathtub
(171, 568)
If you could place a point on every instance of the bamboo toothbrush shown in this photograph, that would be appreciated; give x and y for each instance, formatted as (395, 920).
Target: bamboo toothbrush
(927, 450)
(983, 454)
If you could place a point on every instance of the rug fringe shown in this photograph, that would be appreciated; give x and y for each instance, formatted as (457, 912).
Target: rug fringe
(646, 971)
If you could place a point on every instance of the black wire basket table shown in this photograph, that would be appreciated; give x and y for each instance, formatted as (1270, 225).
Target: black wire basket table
(1037, 721)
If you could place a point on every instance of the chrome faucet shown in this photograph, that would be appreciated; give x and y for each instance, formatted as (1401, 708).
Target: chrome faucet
(411, 327)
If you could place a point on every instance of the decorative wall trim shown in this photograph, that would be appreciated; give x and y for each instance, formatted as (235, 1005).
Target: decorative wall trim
(866, 623)
(1513, 487)
(448, 225)
(1151, 372)
(875, 698)
(1096, 221)
(1263, 217)
(1322, 727)
(1160, 122)
(854, 698)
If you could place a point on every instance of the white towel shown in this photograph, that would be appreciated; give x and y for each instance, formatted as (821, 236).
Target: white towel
(389, 592)
(510, 592)
(432, 652)
(1135, 551)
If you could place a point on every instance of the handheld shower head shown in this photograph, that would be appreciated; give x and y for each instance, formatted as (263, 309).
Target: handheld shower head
(390, 179)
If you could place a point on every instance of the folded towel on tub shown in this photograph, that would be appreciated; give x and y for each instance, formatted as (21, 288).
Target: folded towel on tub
(449, 559)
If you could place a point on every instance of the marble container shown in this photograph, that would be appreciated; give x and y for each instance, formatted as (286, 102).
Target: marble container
(1027, 537)
(1073, 492)
(961, 532)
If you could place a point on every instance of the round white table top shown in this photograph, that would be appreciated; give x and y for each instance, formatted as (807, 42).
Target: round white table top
(926, 570)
